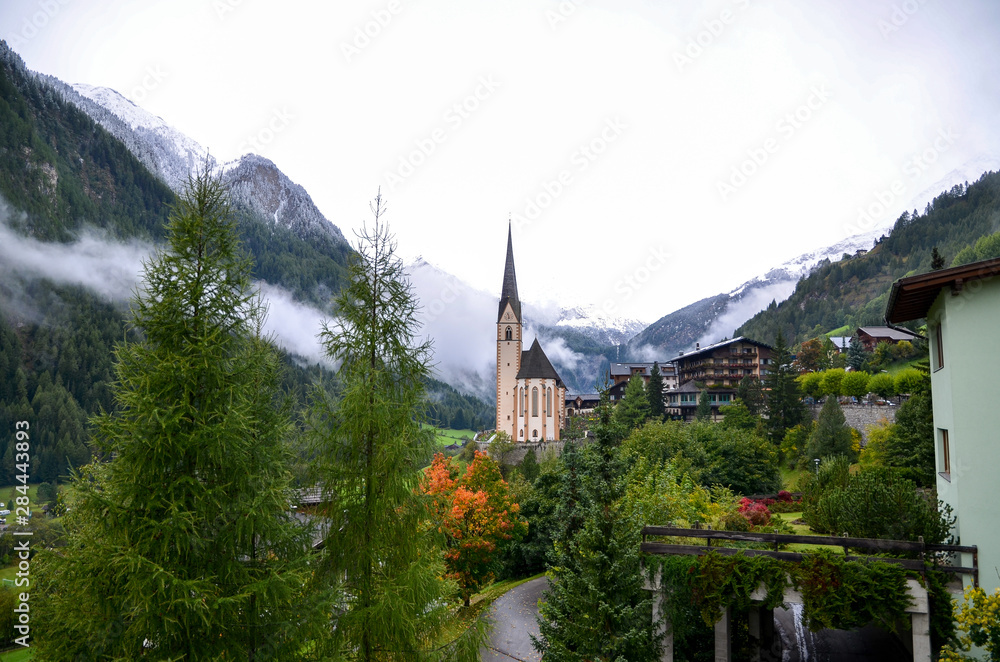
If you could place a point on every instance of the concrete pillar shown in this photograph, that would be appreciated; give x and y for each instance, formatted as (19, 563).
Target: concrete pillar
(921, 637)
(723, 636)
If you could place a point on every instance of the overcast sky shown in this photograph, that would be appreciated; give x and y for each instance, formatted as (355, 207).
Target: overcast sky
(649, 153)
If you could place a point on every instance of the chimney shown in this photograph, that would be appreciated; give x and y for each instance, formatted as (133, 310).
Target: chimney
(697, 346)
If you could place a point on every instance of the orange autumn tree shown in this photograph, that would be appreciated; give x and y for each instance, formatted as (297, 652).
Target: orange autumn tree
(477, 513)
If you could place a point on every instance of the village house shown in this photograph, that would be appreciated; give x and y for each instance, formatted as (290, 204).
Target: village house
(962, 309)
(621, 373)
(871, 336)
(724, 363)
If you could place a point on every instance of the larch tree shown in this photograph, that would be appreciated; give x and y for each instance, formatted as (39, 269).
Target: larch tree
(381, 557)
(182, 546)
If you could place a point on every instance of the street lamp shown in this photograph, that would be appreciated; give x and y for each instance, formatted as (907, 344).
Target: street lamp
(816, 460)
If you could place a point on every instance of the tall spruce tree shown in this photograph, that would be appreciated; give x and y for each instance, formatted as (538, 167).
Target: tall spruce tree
(784, 400)
(751, 392)
(633, 409)
(379, 555)
(856, 354)
(831, 436)
(182, 546)
(596, 608)
(654, 392)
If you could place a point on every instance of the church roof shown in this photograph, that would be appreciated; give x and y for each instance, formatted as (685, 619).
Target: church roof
(508, 293)
(535, 365)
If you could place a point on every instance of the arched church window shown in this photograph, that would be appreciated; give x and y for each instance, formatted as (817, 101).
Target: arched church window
(534, 401)
(524, 402)
(548, 401)
(508, 334)
(534, 433)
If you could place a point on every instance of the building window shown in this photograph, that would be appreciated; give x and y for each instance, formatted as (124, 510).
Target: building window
(944, 450)
(938, 347)
(524, 400)
(508, 334)
(548, 401)
(534, 401)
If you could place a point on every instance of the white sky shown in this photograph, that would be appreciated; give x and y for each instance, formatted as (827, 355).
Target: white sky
(885, 81)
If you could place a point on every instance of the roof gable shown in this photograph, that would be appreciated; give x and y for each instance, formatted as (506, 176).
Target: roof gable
(535, 365)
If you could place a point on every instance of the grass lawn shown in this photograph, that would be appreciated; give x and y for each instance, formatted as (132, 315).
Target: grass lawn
(16, 655)
(445, 437)
(790, 478)
(803, 530)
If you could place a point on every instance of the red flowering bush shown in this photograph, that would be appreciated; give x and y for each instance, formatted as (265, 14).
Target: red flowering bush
(756, 513)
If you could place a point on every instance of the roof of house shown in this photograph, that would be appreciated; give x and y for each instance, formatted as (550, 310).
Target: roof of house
(912, 297)
(535, 365)
(889, 332)
(585, 397)
(842, 342)
(708, 349)
(621, 369)
(508, 292)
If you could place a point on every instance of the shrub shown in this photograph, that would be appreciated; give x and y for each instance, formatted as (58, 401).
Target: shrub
(882, 385)
(878, 503)
(855, 384)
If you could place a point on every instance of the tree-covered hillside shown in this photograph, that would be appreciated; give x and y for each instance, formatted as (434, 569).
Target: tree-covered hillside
(61, 174)
(854, 290)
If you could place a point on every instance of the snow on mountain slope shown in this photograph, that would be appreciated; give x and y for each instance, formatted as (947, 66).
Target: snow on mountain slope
(711, 319)
(256, 183)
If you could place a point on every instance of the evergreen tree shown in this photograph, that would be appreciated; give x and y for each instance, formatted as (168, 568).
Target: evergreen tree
(704, 410)
(831, 436)
(596, 608)
(751, 392)
(784, 401)
(378, 554)
(633, 409)
(937, 261)
(181, 547)
(529, 466)
(910, 446)
(654, 392)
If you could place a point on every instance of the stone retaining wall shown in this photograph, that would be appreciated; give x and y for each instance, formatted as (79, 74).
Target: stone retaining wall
(861, 416)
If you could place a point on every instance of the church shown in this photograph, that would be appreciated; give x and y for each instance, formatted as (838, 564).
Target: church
(530, 394)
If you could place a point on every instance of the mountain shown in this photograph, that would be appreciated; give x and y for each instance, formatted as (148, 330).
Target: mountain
(580, 342)
(714, 318)
(257, 185)
(853, 292)
(596, 324)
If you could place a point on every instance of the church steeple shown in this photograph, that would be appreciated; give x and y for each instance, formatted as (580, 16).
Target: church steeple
(508, 293)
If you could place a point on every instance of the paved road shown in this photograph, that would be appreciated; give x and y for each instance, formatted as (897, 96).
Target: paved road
(513, 619)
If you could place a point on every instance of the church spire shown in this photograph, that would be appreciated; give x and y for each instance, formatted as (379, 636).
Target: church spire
(508, 294)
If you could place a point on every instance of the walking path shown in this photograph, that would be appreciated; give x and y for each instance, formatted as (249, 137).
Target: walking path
(513, 618)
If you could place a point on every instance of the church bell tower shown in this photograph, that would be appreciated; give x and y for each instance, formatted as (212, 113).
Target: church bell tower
(508, 346)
